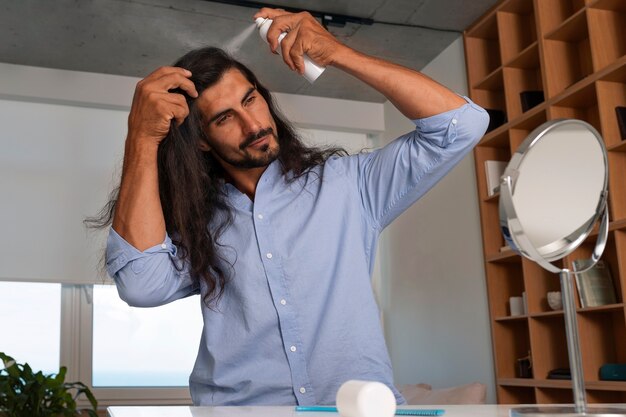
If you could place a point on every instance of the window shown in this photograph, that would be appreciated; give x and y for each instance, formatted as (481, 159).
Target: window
(143, 347)
(31, 324)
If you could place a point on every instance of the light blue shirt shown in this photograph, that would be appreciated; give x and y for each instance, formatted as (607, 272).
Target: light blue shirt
(299, 318)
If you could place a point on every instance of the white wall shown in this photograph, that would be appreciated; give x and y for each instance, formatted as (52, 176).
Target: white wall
(435, 303)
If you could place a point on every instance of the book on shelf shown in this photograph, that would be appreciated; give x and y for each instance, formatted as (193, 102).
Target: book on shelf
(595, 287)
(493, 172)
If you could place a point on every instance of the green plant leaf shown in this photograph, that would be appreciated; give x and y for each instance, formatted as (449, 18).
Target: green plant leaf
(24, 393)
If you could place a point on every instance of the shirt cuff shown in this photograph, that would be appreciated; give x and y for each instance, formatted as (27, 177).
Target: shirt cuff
(119, 252)
(441, 129)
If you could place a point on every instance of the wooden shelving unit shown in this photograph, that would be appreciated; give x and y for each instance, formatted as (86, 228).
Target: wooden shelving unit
(574, 51)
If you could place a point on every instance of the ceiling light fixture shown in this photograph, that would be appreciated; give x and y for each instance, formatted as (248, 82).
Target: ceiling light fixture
(326, 18)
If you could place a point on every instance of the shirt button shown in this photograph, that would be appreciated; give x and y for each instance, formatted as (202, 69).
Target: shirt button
(293, 348)
(453, 121)
(302, 390)
(269, 256)
(164, 246)
(283, 301)
(260, 216)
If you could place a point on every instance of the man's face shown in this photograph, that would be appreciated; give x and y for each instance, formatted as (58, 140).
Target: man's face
(241, 131)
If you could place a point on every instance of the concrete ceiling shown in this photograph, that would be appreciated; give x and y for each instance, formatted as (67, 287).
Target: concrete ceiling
(133, 37)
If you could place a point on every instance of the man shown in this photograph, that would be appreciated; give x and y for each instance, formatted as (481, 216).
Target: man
(219, 197)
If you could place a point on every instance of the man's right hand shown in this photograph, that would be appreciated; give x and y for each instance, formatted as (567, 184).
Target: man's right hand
(154, 105)
(138, 213)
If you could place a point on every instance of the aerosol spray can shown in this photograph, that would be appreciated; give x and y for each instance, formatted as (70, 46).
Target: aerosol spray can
(311, 69)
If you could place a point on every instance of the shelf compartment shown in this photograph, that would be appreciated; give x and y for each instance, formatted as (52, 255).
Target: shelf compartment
(610, 95)
(512, 342)
(549, 344)
(554, 395)
(609, 327)
(520, 80)
(607, 34)
(620, 266)
(617, 196)
(496, 139)
(567, 54)
(605, 397)
(505, 280)
(552, 13)
(527, 59)
(515, 395)
(524, 126)
(482, 49)
(489, 93)
(611, 90)
(538, 282)
(516, 27)
(573, 29)
(581, 104)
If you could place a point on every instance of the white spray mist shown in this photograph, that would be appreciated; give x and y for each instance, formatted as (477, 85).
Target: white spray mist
(234, 45)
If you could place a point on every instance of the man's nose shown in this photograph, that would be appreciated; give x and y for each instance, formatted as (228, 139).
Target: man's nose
(250, 123)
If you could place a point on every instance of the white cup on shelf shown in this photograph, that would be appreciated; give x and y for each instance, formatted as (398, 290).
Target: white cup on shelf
(516, 306)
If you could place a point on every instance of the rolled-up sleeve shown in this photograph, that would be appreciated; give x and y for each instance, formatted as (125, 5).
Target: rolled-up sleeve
(148, 278)
(392, 178)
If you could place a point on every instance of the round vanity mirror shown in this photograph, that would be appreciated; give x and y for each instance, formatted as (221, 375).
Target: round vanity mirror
(554, 189)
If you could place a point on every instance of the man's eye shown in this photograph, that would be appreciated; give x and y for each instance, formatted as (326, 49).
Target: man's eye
(222, 119)
(250, 99)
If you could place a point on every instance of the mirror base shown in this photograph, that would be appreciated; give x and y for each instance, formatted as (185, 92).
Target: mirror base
(561, 411)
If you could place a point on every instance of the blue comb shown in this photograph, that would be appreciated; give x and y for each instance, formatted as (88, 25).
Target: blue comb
(399, 411)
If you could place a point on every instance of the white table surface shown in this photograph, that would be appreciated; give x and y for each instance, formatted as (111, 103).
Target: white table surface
(488, 410)
(289, 411)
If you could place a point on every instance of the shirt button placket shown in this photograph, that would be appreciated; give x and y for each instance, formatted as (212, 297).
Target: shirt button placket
(295, 359)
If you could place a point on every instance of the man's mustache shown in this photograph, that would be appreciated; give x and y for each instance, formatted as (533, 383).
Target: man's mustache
(255, 136)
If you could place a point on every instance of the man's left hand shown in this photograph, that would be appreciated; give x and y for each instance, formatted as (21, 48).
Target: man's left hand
(305, 35)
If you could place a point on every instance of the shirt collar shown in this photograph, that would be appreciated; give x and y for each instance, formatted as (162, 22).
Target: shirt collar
(270, 176)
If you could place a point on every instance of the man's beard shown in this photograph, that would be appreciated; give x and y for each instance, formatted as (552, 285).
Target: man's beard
(268, 155)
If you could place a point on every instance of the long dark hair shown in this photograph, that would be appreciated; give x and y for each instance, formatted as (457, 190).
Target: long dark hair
(191, 180)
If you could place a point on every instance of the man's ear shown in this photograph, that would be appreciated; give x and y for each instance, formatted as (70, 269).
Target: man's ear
(204, 146)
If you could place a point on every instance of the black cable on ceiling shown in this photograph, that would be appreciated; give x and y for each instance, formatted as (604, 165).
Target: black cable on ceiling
(327, 18)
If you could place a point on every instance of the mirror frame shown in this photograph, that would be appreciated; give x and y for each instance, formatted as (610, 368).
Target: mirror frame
(510, 225)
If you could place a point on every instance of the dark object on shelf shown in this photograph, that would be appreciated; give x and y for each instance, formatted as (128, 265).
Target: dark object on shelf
(613, 372)
(524, 367)
(496, 119)
(620, 112)
(531, 99)
(560, 373)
